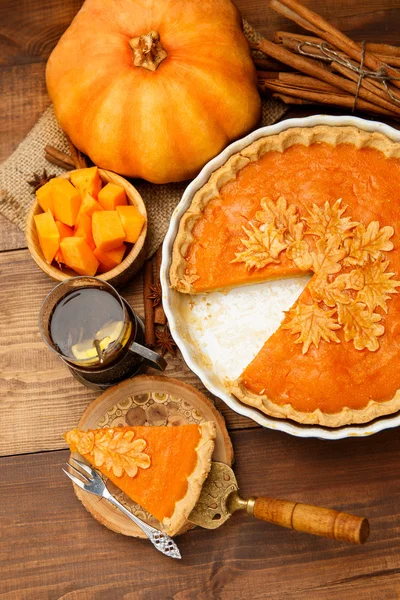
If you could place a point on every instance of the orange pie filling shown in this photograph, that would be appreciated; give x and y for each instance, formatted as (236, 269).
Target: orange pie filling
(152, 465)
(332, 211)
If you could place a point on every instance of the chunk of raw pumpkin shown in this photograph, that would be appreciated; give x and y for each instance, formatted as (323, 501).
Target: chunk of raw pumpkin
(83, 228)
(89, 206)
(64, 231)
(132, 221)
(78, 255)
(111, 259)
(44, 196)
(87, 181)
(48, 234)
(111, 196)
(107, 230)
(67, 201)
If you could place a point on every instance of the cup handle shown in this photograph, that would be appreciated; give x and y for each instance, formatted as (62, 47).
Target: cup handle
(150, 358)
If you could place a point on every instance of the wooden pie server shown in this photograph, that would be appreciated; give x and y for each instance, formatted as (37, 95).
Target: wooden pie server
(219, 499)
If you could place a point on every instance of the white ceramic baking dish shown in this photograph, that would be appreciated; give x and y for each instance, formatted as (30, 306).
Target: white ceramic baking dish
(219, 333)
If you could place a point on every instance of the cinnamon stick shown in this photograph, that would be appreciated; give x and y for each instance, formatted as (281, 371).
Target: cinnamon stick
(298, 80)
(267, 65)
(56, 161)
(149, 332)
(311, 21)
(387, 49)
(59, 155)
(319, 97)
(393, 61)
(291, 99)
(369, 84)
(159, 314)
(309, 67)
(386, 53)
(79, 159)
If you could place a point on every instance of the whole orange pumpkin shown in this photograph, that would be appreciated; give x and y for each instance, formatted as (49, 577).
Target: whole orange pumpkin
(154, 88)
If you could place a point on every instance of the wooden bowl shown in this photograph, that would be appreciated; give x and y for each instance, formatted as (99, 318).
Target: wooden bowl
(133, 260)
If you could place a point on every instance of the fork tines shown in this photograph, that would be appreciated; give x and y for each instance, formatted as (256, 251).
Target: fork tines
(83, 478)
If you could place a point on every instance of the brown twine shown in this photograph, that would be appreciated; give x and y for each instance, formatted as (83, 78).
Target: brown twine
(330, 55)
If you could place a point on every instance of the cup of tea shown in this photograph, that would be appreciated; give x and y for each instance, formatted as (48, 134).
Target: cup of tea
(95, 332)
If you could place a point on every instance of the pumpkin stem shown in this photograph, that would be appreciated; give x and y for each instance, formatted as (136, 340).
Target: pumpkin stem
(147, 51)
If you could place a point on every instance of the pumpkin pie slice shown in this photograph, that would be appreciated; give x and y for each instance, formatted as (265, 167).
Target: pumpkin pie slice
(321, 200)
(161, 468)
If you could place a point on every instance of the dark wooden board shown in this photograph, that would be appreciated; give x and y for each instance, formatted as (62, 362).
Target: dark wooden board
(51, 548)
(28, 33)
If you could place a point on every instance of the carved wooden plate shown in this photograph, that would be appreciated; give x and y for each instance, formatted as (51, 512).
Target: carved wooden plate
(152, 400)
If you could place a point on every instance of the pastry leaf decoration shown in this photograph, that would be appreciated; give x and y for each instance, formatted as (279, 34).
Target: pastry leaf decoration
(277, 227)
(313, 324)
(327, 221)
(368, 242)
(327, 256)
(360, 325)
(299, 253)
(349, 262)
(284, 217)
(378, 285)
(116, 450)
(354, 280)
(261, 247)
(330, 293)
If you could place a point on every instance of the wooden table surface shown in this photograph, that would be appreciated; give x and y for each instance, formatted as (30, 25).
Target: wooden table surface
(50, 548)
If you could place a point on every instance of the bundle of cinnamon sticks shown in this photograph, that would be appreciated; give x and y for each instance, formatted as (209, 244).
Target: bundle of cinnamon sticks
(328, 67)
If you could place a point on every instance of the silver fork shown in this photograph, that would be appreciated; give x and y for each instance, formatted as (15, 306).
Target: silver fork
(91, 482)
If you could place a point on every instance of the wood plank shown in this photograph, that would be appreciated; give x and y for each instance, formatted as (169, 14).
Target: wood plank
(43, 526)
(31, 31)
(49, 547)
(33, 381)
(28, 36)
(11, 236)
(23, 98)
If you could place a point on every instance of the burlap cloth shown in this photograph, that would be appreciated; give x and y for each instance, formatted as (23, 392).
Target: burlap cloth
(16, 194)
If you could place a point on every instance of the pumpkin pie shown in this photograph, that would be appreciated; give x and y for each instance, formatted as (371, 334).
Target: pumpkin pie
(323, 200)
(161, 468)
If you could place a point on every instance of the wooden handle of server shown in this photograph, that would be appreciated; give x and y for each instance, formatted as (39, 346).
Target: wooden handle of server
(312, 519)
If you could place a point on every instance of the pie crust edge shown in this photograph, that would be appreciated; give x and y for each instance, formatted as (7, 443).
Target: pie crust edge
(184, 506)
(180, 281)
(347, 416)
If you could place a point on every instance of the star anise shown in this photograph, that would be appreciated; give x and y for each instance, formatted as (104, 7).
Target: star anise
(165, 341)
(39, 180)
(155, 294)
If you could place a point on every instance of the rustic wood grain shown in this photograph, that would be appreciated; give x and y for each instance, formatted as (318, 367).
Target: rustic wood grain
(33, 382)
(315, 520)
(50, 548)
(23, 98)
(28, 36)
(11, 237)
(28, 33)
